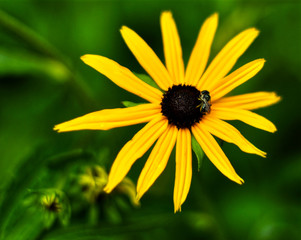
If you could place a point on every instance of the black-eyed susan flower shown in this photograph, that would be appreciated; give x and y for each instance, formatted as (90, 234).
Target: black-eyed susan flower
(192, 101)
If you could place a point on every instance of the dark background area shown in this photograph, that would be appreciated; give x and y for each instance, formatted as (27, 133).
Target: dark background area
(43, 82)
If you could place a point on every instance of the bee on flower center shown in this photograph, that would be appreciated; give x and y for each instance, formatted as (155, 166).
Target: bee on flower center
(205, 99)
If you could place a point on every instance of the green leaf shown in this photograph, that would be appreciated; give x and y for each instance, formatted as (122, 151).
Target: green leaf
(28, 35)
(198, 151)
(147, 79)
(130, 104)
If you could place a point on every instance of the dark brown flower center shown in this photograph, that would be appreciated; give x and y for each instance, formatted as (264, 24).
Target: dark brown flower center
(184, 105)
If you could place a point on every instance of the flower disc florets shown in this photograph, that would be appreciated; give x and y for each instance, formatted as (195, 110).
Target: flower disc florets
(183, 105)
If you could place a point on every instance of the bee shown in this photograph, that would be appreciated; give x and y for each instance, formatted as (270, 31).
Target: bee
(205, 102)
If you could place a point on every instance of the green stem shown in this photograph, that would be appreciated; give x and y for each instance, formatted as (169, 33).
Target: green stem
(29, 36)
(83, 91)
(205, 202)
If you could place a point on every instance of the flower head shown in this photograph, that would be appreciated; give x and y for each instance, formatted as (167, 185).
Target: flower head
(94, 180)
(191, 101)
(51, 203)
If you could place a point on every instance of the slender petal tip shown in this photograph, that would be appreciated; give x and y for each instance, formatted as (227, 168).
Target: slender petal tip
(214, 19)
(85, 57)
(276, 98)
(262, 153)
(124, 28)
(89, 58)
(56, 128)
(214, 16)
(274, 129)
(259, 63)
(60, 128)
(271, 127)
(238, 179)
(107, 189)
(166, 13)
(253, 30)
(177, 209)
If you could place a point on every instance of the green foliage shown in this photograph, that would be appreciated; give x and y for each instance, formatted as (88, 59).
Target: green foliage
(147, 79)
(43, 82)
(19, 204)
(25, 63)
(27, 205)
(129, 104)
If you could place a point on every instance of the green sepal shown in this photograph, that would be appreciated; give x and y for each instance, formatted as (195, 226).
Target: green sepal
(130, 104)
(198, 151)
(147, 79)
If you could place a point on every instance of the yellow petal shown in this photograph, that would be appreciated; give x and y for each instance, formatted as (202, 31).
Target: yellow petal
(183, 168)
(249, 101)
(112, 118)
(230, 134)
(245, 116)
(237, 78)
(157, 160)
(122, 77)
(201, 51)
(214, 152)
(134, 149)
(172, 48)
(226, 59)
(147, 58)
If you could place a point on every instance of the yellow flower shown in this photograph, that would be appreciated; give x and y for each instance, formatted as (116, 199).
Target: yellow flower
(191, 102)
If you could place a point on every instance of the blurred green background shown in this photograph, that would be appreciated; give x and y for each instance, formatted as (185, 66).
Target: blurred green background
(43, 82)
